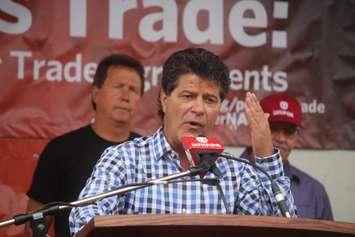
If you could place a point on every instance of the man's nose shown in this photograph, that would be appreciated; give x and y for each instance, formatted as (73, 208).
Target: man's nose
(278, 136)
(125, 94)
(198, 106)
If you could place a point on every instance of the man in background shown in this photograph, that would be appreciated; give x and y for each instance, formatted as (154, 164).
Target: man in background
(67, 161)
(285, 117)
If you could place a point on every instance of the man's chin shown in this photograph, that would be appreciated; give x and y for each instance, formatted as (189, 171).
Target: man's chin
(122, 119)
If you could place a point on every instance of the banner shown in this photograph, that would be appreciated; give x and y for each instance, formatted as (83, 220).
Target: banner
(49, 52)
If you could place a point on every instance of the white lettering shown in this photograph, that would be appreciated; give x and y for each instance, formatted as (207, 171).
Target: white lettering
(232, 120)
(54, 71)
(117, 10)
(279, 39)
(266, 75)
(232, 114)
(21, 55)
(89, 72)
(242, 120)
(37, 65)
(23, 15)
(236, 77)
(280, 79)
(313, 107)
(224, 106)
(77, 18)
(238, 22)
(156, 74)
(240, 106)
(214, 31)
(74, 66)
(168, 19)
(283, 112)
(259, 80)
(202, 21)
(147, 84)
(252, 75)
(152, 75)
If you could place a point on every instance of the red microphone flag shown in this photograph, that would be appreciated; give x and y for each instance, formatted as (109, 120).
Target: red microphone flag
(194, 146)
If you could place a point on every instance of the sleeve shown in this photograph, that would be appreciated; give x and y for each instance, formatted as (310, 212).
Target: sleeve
(256, 196)
(323, 207)
(45, 180)
(108, 174)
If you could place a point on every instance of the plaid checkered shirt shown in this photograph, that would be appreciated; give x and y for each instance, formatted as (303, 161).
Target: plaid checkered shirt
(245, 191)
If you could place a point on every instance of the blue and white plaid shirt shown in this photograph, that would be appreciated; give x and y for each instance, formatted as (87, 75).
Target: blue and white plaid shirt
(143, 159)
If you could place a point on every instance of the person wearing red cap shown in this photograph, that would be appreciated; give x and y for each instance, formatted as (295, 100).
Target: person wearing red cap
(285, 116)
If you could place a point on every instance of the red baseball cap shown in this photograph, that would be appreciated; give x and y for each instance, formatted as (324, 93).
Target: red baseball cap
(282, 108)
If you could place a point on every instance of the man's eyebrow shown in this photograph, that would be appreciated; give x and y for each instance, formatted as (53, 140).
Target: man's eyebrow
(187, 91)
(210, 95)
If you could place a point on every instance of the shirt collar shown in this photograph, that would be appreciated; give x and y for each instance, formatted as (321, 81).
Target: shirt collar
(162, 147)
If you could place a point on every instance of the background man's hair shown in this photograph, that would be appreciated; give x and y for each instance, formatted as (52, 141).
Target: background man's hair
(116, 60)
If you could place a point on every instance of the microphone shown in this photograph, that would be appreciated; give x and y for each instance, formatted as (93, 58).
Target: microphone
(203, 152)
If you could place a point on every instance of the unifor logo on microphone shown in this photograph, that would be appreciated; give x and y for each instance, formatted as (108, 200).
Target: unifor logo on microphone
(201, 148)
(202, 139)
(202, 143)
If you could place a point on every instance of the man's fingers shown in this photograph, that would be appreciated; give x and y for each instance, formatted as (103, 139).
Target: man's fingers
(250, 117)
(253, 109)
(259, 126)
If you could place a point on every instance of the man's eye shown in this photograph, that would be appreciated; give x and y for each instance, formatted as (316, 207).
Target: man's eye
(133, 89)
(211, 100)
(290, 131)
(187, 96)
(118, 86)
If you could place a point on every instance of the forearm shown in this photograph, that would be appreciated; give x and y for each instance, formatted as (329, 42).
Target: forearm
(256, 195)
(274, 168)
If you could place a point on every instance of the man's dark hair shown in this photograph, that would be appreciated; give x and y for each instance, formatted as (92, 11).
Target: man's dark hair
(198, 61)
(116, 60)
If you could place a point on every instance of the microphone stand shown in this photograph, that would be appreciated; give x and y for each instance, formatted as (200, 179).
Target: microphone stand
(40, 227)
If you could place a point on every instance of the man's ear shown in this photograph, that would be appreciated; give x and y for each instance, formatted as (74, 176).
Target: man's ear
(297, 140)
(163, 100)
(94, 93)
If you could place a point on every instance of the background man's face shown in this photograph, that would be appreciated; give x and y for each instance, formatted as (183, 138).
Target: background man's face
(117, 99)
(284, 137)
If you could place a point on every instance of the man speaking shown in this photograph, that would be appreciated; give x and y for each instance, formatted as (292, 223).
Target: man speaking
(194, 83)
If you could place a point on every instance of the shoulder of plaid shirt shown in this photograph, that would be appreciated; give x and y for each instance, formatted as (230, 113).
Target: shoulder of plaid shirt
(247, 192)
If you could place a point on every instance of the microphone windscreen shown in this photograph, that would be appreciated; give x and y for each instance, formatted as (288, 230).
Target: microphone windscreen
(195, 146)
